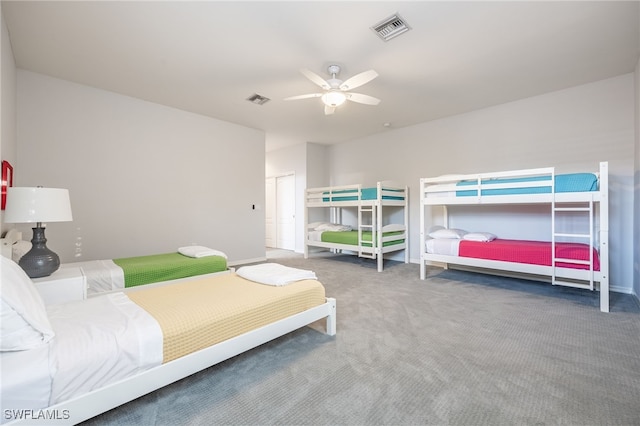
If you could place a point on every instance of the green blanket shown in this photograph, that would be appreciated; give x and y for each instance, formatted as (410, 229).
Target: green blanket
(163, 267)
(351, 238)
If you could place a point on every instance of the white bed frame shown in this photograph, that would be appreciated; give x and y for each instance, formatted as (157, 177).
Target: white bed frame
(161, 283)
(79, 409)
(440, 191)
(374, 208)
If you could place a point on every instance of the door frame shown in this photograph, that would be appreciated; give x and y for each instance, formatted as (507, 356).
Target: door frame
(292, 202)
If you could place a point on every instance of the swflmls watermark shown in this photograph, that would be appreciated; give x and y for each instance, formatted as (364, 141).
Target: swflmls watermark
(46, 414)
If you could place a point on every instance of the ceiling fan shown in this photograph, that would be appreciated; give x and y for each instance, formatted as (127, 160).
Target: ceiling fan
(335, 91)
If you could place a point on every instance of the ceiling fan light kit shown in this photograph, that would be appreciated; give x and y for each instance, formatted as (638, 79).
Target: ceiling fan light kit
(333, 98)
(336, 92)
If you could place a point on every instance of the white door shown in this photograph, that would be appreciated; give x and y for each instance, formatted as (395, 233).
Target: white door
(270, 212)
(286, 212)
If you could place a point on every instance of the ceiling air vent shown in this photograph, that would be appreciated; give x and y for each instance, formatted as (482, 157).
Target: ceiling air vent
(391, 27)
(257, 99)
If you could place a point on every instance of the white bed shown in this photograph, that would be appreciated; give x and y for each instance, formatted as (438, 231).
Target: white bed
(374, 233)
(109, 275)
(66, 363)
(584, 195)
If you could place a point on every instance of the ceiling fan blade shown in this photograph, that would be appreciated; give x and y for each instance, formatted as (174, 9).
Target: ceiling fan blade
(307, 96)
(358, 80)
(315, 78)
(329, 110)
(362, 99)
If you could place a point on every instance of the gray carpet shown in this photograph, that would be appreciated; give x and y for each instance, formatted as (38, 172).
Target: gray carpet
(457, 349)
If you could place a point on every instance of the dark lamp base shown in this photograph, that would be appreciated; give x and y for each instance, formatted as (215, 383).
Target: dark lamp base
(39, 261)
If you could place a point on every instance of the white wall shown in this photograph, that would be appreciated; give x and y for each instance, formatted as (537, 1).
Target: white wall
(317, 176)
(143, 178)
(8, 145)
(572, 129)
(317, 166)
(636, 192)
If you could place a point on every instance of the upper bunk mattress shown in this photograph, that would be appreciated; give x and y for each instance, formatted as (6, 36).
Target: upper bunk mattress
(165, 267)
(365, 194)
(572, 182)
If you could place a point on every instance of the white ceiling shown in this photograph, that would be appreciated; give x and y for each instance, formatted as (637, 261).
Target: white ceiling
(207, 57)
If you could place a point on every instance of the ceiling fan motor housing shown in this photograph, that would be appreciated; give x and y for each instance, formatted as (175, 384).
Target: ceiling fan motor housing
(334, 83)
(333, 70)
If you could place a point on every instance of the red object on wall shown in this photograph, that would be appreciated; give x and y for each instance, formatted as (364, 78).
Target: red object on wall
(7, 181)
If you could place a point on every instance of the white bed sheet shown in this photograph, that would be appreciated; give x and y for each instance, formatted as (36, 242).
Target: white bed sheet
(97, 341)
(315, 235)
(441, 189)
(443, 194)
(102, 275)
(448, 246)
(84, 355)
(26, 380)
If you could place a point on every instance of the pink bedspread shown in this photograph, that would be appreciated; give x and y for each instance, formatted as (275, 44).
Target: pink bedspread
(530, 252)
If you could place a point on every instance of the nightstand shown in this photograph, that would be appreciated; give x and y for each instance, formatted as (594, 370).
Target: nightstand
(66, 284)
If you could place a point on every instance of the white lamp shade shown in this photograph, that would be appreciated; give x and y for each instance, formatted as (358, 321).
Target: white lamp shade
(27, 205)
(334, 98)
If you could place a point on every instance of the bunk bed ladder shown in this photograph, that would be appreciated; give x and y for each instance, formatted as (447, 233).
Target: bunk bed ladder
(366, 251)
(587, 208)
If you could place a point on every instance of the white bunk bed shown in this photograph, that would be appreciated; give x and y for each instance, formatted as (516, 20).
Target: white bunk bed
(370, 238)
(521, 187)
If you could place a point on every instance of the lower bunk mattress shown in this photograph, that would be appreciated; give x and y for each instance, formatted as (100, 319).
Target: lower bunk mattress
(114, 336)
(117, 274)
(516, 251)
(351, 237)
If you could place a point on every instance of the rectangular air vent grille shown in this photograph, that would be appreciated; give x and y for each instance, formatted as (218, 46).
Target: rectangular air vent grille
(391, 27)
(258, 99)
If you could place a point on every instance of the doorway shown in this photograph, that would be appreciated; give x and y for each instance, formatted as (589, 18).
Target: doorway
(280, 212)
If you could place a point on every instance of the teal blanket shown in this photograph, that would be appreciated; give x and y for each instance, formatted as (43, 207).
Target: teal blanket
(572, 182)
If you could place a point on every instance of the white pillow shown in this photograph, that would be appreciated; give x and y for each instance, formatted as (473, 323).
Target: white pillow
(336, 227)
(447, 233)
(479, 236)
(24, 323)
(314, 225)
(200, 251)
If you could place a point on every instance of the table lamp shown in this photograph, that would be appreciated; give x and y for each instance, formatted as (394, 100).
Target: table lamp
(37, 205)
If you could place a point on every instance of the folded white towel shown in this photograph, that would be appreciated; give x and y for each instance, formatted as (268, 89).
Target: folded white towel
(200, 251)
(274, 274)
